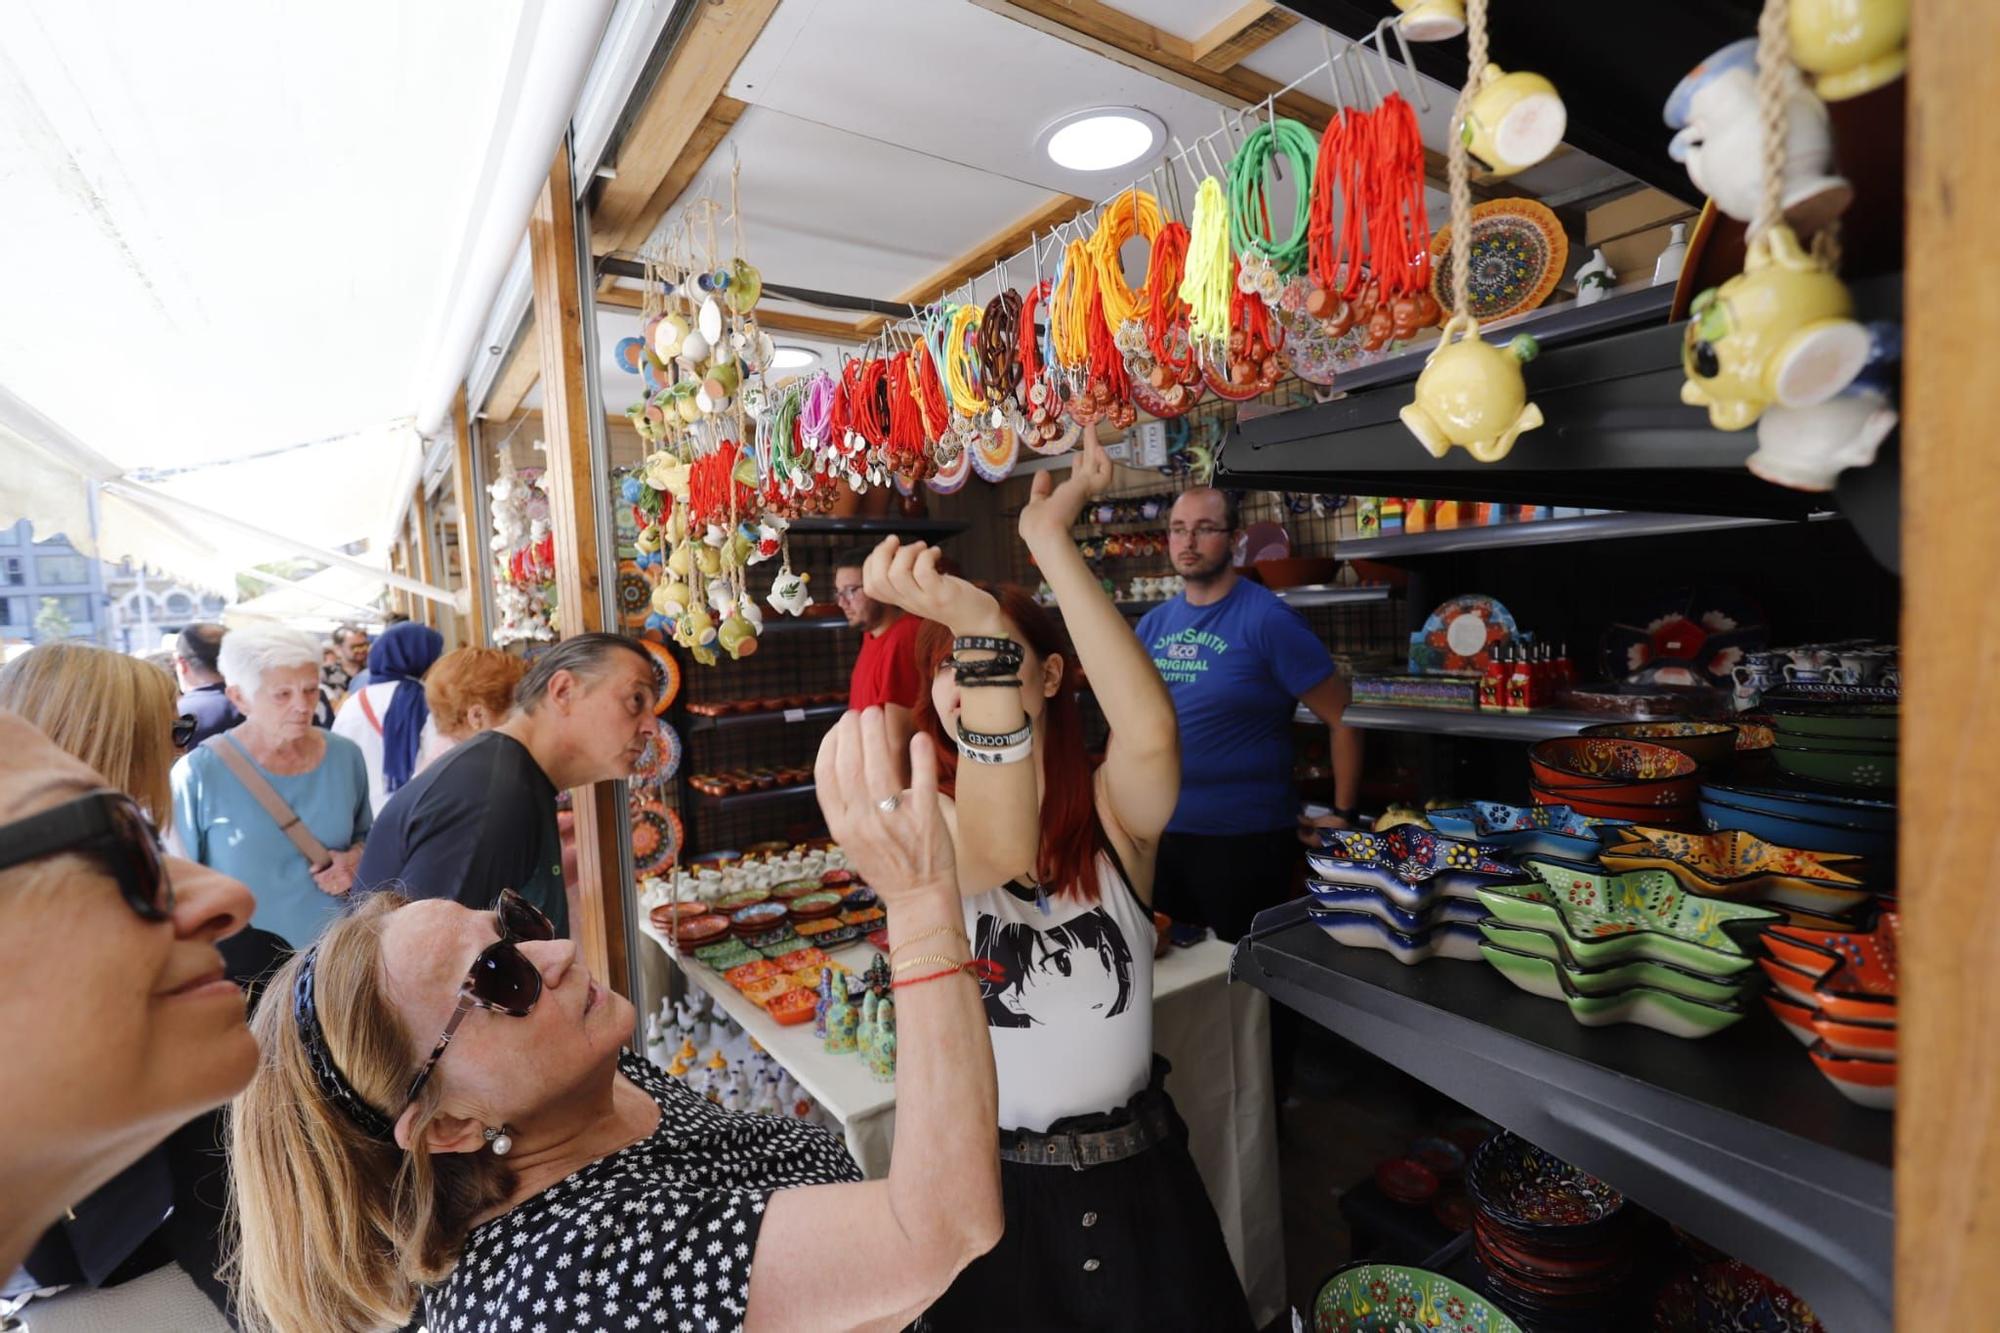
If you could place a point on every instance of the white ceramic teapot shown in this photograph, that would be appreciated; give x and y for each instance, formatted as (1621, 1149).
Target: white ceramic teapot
(1719, 137)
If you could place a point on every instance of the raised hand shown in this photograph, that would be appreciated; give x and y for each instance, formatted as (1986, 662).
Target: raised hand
(908, 577)
(1053, 509)
(896, 839)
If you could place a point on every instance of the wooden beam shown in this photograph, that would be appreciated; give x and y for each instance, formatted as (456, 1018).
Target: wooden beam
(472, 552)
(625, 298)
(1138, 45)
(685, 107)
(576, 504)
(1001, 245)
(420, 523)
(811, 326)
(518, 374)
(1948, 1085)
(1249, 29)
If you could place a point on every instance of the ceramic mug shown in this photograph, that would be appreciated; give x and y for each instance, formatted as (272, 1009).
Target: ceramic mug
(1515, 121)
(1431, 20)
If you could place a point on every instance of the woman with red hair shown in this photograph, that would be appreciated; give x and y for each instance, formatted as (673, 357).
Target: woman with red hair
(1108, 1225)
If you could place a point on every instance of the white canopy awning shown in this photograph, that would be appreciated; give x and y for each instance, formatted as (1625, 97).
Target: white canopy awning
(248, 248)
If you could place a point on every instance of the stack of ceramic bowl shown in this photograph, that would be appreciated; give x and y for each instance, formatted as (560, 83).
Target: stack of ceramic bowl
(1813, 888)
(1815, 818)
(1730, 1294)
(1411, 892)
(1608, 778)
(1527, 830)
(1632, 948)
(1385, 1298)
(1836, 992)
(1712, 745)
(1555, 1243)
(1829, 739)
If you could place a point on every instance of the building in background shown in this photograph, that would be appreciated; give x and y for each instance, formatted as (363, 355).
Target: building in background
(48, 590)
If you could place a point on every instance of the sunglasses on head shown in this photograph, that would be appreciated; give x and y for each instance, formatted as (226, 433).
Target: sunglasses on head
(107, 825)
(184, 726)
(502, 977)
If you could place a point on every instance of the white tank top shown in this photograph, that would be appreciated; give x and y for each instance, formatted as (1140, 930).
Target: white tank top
(1071, 1016)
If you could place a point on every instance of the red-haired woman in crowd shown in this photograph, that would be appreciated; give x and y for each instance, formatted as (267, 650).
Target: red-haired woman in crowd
(1108, 1225)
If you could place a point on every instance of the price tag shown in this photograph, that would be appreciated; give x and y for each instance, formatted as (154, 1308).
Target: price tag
(795, 715)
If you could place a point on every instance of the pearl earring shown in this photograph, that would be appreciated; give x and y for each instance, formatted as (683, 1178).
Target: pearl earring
(500, 1141)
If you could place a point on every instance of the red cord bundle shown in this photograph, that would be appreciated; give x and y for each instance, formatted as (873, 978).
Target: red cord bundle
(1399, 229)
(1163, 308)
(1028, 350)
(1373, 162)
(904, 448)
(715, 495)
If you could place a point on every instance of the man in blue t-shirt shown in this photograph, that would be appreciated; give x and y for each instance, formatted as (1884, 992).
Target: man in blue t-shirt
(1237, 661)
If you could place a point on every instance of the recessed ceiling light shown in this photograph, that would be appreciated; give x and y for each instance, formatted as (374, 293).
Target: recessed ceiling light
(1101, 138)
(788, 357)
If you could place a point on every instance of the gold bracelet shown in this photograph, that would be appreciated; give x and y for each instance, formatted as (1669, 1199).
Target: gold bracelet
(950, 928)
(940, 959)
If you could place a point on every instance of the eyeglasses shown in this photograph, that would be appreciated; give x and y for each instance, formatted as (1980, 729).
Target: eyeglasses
(184, 726)
(1201, 531)
(847, 594)
(502, 978)
(108, 825)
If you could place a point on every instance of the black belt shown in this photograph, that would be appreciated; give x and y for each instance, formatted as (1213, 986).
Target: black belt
(1149, 1122)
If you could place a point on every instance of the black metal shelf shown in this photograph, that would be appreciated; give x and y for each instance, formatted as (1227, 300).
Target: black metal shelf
(794, 624)
(743, 798)
(700, 722)
(878, 527)
(1735, 1137)
(1543, 532)
(1535, 726)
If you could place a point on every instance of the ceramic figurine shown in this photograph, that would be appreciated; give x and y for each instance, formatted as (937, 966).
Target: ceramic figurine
(842, 1022)
(1515, 121)
(1720, 138)
(656, 1049)
(864, 1032)
(1594, 279)
(1431, 20)
(876, 977)
(1781, 332)
(1667, 268)
(1806, 448)
(1471, 394)
(882, 1051)
(1852, 46)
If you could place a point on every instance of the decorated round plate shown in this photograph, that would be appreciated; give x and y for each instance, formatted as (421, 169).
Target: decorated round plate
(701, 929)
(950, 477)
(661, 759)
(1382, 1298)
(758, 916)
(993, 453)
(656, 838)
(741, 899)
(1730, 1295)
(635, 595)
(1518, 254)
(1161, 403)
(1460, 635)
(666, 675)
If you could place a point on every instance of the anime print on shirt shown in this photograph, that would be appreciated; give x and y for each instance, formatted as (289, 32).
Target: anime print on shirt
(1080, 969)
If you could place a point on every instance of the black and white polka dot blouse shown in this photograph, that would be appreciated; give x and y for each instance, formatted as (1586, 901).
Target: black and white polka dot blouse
(657, 1236)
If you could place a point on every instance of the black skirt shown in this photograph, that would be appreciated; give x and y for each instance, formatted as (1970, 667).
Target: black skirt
(1130, 1245)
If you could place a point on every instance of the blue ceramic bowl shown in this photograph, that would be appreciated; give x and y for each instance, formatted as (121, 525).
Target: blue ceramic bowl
(1793, 831)
(1353, 898)
(1363, 930)
(1332, 871)
(1819, 806)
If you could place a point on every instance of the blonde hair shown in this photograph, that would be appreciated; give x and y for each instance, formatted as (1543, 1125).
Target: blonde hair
(333, 1228)
(115, 713)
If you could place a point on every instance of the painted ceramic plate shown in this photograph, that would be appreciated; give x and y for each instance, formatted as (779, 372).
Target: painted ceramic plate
(635, 595)
(1689, 637)
(1518, 254)
(1729, 1296)
(1378, 1298)
(666, 675)
(1638, 904)
(993, 453)
(656, 838)
(1460, 636)
(661, 759)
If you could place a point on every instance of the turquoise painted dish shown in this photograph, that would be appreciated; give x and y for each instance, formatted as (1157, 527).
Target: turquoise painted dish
(1618, 976)
(1524, 830)
(1609, 919)
(1388, 1298)
(1641, 1006)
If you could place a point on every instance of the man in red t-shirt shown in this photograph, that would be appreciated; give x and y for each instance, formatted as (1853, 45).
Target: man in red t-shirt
(886, 672)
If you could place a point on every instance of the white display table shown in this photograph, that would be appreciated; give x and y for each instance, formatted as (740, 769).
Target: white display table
(1216, 1036)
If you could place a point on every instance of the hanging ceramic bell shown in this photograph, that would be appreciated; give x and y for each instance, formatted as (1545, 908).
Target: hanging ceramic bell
(711, 320)
(1431, 20)
(1471, 394)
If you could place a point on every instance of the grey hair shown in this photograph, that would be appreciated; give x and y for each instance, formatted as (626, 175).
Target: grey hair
(246, 654)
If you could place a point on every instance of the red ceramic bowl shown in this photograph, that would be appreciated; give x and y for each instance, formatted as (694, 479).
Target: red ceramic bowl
(1797, 1018)
(1803, 989)
(1814, 962)
(1858, 1041)
(1650, 773)
(1707, 743)
(1870, 1083)
(703, 930)
(1681, 815)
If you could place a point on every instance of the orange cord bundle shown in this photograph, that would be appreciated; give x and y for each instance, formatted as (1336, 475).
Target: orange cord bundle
(1164, 308)
(1071, 312)
(1132, 213)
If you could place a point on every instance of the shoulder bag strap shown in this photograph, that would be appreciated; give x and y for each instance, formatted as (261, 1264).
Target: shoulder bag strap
(368, 710)
(283, 815)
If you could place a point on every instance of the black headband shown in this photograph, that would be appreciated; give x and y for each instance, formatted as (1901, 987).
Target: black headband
(332, 1083)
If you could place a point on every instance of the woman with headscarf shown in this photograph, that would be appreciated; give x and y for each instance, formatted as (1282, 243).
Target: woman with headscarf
(388, 717)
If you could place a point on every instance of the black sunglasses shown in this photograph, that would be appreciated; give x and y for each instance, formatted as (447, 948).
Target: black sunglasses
(502, 978)
(108, 825)
(184, 726)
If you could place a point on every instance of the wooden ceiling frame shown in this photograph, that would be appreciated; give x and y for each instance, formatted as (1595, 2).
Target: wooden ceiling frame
(520, 372)
(1243, 33)
(1003, 244)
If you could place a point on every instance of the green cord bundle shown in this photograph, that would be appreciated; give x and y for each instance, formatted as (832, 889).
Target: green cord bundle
(1247, 201)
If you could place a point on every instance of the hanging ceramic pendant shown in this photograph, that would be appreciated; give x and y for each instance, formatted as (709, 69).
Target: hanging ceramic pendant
(1471, 394)
(668, 335)
(695, 348)
(1851, 46)
(1431, 20)
(711, 320)
(746, 287)
(1719, 137)
(1514, 121)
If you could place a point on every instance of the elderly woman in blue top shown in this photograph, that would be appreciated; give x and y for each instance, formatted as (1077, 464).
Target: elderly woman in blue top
(272, 676)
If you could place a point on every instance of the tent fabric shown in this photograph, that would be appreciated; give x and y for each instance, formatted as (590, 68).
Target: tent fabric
(240, 227)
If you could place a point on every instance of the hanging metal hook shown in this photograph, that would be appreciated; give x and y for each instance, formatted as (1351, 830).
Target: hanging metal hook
(1419, 95)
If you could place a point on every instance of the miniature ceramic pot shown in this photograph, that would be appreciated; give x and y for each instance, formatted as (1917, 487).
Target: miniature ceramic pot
(1806, 448)
(1720, 138)
(1431, 20)
(1852, 46)
(1780, 332)
(1515, 121)
(1471, 394)
(1594, 279)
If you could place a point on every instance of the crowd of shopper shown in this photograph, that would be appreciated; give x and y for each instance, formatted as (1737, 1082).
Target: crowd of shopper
(439, 1121)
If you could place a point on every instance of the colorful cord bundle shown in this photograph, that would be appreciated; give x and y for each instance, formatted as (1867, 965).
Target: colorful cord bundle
(1249, 195)
(1210, 279)
(1133, 212)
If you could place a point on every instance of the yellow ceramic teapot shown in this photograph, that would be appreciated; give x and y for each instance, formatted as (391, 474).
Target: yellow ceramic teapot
(1850, 46)
(1471, 394)
(1782, 331)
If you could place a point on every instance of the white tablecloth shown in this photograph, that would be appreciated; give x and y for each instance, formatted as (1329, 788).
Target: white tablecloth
(1216, 1036)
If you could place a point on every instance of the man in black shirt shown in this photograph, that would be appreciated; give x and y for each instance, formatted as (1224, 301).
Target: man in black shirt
(483, 817)
(202, 696)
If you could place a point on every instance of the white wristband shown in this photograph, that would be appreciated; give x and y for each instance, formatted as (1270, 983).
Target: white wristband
(1005, 755)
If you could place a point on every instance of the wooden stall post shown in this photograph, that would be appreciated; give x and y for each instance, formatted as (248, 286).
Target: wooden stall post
(1948, 1094)
(420, 521)
(473, 557)
(573, 485)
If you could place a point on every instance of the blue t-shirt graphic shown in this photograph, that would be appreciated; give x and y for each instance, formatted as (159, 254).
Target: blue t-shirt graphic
(1236, 670)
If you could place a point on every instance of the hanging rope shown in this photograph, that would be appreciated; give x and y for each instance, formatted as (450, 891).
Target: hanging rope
(1132, 213)
(1249, 196)
(1460, 172)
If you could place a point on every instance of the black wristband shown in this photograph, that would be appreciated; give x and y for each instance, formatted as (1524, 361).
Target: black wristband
(985, 666)
(978, 682)
(996, 740)
(985, 644)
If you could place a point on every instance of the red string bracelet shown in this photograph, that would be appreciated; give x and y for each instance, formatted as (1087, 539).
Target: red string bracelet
(979, 969)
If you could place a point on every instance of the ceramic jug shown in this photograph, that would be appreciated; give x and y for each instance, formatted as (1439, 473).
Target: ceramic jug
(1471, 394)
